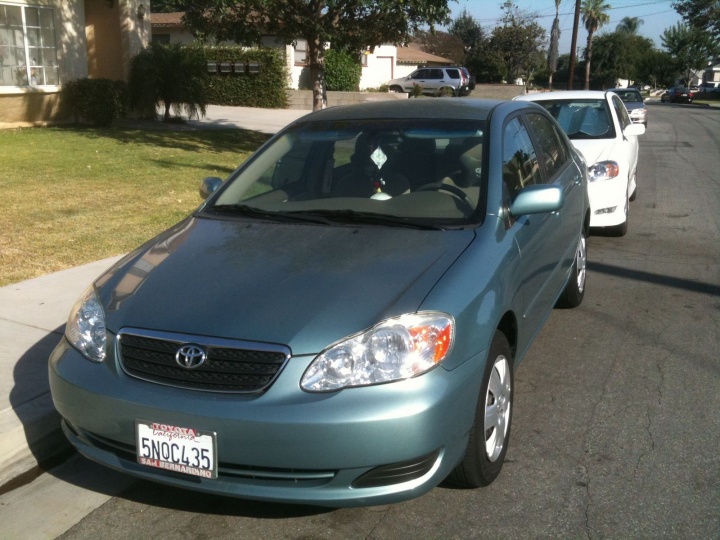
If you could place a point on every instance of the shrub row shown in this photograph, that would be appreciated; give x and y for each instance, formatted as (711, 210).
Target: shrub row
(265, 89)
(98, 101)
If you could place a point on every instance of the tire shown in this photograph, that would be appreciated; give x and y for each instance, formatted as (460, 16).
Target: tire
(490, 434)
(574, 291)
(397, 89)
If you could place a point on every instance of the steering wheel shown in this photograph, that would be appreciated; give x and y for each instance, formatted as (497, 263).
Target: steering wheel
(453, 190)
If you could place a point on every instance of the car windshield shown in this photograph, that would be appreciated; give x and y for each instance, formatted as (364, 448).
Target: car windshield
(416, 173)
(582, 118)
(629, 96)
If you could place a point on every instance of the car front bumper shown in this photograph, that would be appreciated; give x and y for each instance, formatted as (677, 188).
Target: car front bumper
(361, 446)
(607, 202)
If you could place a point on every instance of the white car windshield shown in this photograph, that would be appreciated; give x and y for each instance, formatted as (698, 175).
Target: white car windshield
(582, 118)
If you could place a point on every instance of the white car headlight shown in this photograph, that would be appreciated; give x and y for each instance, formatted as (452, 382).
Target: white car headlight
(392, 350)
(603, 170)
(85, 328)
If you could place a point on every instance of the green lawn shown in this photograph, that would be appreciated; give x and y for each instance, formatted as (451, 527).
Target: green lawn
(75, 195)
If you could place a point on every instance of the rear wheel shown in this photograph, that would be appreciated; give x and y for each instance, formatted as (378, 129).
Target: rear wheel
(490, 433)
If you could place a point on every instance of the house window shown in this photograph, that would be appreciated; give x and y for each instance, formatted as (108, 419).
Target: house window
(28, 54)
(301, 52)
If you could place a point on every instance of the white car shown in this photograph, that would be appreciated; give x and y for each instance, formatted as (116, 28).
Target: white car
(600, 128)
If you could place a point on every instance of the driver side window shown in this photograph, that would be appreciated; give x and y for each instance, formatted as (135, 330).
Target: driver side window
(520, 162)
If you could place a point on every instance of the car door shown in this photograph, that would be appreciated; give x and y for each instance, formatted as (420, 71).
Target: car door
(626, 144)
(542, 239)
(415, 78)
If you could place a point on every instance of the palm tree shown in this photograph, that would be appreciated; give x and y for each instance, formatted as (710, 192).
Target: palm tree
(554, 40)
(594, 17)
(630, 25)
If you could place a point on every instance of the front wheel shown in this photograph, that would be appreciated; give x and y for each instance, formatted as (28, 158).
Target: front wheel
(490, 434)
(574, 291)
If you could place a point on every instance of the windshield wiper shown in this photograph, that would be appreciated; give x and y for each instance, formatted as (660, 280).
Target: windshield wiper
(283, 217)
(353, 216)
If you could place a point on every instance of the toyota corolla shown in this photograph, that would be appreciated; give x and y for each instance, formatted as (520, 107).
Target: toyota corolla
(339, 322)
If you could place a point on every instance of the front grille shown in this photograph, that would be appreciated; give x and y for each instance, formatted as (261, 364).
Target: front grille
(230, 366)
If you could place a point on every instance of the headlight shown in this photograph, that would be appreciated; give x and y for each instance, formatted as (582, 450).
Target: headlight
(603, 170)
(85, 328)
(395, 349)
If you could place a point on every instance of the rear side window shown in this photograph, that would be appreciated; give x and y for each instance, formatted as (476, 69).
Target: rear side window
(436, 74)
(551, 148)
(453, 73)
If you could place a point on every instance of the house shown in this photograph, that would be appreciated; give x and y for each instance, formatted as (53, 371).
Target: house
(45, 43)
(378, 66)
(711, 76)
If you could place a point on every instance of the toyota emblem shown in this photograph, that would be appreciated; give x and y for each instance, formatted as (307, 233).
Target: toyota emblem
(190, 356)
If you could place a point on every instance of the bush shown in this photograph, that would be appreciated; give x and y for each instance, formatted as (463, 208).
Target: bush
(417, 90)
(265, 89)
(342, 71)
(170, 75)
(99, 101)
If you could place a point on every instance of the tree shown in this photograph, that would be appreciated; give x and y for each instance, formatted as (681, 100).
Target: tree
(691, 48)
(618, 55)
(469, 32)
(441, 44)
(594, 17)
(166, 6)
(704, 15)
(657, 68)
(518, 42)
(347, 24)
(552, 59)
(169, 75)
(480, 59)
(629, 25)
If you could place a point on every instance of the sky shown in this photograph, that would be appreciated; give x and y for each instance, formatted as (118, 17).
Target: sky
(657, 15)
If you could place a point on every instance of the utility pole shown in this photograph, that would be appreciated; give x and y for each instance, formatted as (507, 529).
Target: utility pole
(573, 46)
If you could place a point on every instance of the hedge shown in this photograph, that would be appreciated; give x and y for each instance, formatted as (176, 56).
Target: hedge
(238, 86)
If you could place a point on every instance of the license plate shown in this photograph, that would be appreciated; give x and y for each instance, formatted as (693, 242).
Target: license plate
(178, 449)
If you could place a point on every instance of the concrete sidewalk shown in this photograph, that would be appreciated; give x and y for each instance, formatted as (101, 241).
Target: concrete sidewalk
(32, 321)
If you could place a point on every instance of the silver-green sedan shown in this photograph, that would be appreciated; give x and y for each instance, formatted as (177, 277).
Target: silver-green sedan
(339, 322)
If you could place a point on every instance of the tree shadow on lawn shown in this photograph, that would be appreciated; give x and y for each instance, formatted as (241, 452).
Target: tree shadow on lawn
(178, 136)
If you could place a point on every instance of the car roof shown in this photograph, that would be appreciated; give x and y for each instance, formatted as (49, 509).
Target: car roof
(440, 108)
(563, 94)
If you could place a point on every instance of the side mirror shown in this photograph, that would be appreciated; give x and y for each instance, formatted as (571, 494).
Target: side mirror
(633, 130)
(537, 200)
(209, 185)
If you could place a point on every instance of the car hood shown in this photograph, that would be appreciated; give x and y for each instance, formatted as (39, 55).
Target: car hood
(594, 150)
(634, 105)
(305, 286)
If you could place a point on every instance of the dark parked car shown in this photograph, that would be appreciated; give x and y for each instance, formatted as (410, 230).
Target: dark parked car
(678, 94)
(339, 322)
